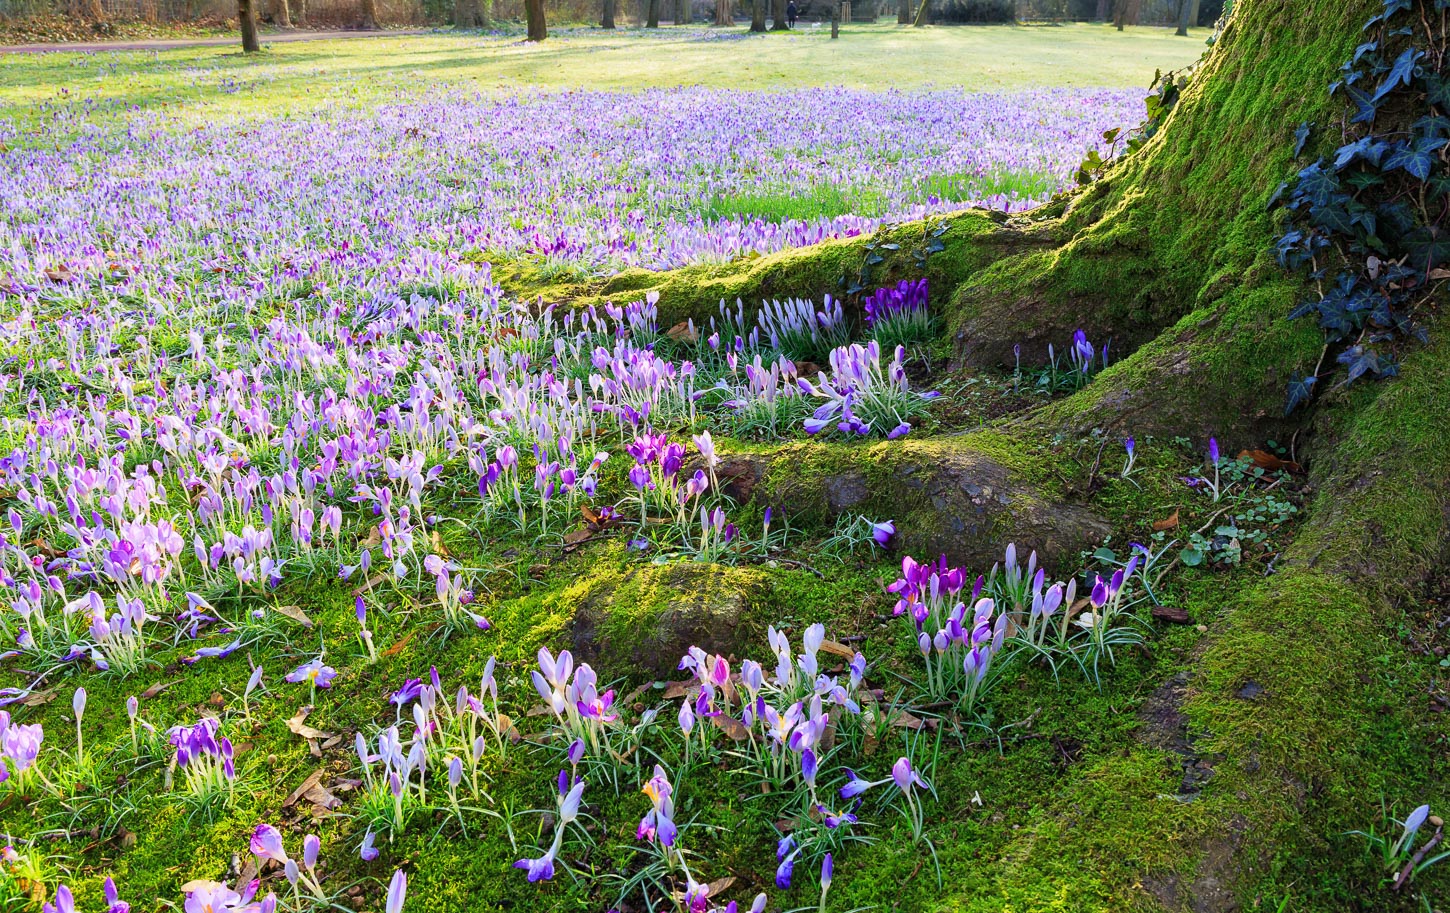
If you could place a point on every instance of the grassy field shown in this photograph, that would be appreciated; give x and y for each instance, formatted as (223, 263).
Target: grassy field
(305, 74)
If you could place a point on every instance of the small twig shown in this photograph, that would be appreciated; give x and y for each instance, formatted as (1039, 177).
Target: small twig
(1403, 878)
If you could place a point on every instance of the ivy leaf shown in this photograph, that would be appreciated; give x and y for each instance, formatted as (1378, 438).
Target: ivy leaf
(1431, 127)
(1301, 136)
(1367, 107)
(1400, 74)
(1317, 185)
(1437, 90)
(1300, 390)
(1334, 218)
(1417, 158)
(1391, 7)
(1428, 247)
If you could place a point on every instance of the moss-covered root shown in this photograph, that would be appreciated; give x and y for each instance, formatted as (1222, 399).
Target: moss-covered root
(972, 239)
(1299, 703)
(963, 496)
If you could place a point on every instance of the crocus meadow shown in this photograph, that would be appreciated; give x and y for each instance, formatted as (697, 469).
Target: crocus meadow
(240, 358)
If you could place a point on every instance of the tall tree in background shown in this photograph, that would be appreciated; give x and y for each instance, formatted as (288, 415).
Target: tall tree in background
(903, 12)
(757, 15)
(778, 15)
(369, 15)
(724, 15)
(1102, 13)
(1187, 15)
(923, 13)
(606, 18)
(534, 13)
(465, 14)
(248, 20)
(652, 15)
(684, 15)
(1126, 12)
(301, 17)
(282, 12)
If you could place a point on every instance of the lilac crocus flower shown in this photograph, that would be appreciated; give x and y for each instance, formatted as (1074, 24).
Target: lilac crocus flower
(368, 852)
(267, 844)
(881, 533)
(397, 893)
(658, 823)
(63, 903)
(314, 673)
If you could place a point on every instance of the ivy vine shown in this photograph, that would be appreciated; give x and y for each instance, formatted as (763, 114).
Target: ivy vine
(1370, 223)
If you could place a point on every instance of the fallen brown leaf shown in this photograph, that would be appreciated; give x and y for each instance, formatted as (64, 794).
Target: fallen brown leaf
(157, 689)
(296, 614)
(1170, 522)
(1268, 462)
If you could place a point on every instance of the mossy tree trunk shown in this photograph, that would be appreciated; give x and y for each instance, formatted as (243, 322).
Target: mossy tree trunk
(757, 15)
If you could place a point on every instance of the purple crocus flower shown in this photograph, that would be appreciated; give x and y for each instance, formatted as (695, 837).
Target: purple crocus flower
(314, 673)
(397, 893)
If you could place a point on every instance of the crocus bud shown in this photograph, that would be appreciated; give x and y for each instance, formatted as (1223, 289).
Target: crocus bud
(78, 703)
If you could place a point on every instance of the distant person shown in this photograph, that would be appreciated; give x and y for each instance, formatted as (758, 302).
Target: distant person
(790, 14)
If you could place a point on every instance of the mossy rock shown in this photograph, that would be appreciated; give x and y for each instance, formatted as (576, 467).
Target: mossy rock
(649, 617)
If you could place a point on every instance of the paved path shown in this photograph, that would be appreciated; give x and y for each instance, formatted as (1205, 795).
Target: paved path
(167, 44)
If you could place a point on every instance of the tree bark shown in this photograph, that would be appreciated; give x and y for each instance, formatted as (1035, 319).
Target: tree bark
(652, 16)
(835, 19)
(1184, 8)
(778, 23)
(724, 15)
(1102, 12)
(606, 20)
(903, 12)
(301, 17)
(248, 20)
(283, 14)
(369, 9)
(538, 28)
(757, 15)
(465, 14)
(923, 13)
(683, 13)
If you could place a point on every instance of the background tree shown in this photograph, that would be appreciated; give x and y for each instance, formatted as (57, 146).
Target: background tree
(923, 13)
(724, 14)
(1126, 12)
(652, 14)
(903, 12)
(538, 28)
(369, 15)
(465, 14)
(300, 14)
(684, 15)
(248, 20)
(778, 23)
(606, 19)
(757, 15)
(282, 12)
(1187, 15)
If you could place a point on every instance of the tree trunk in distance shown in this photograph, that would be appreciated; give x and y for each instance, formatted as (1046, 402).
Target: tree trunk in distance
(1184, 7)
(903, 12)
(248, 20)
(606, 21)
(778, 16)
(465, 14)
(301, 18)
(538, 28)
(652, 17)
(369, 15)
(683, 13)
(283, 14)
(723, 13)
(1102, 13)
(922, 13)
(1120, 12)
(835, 19)
(757, 15)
